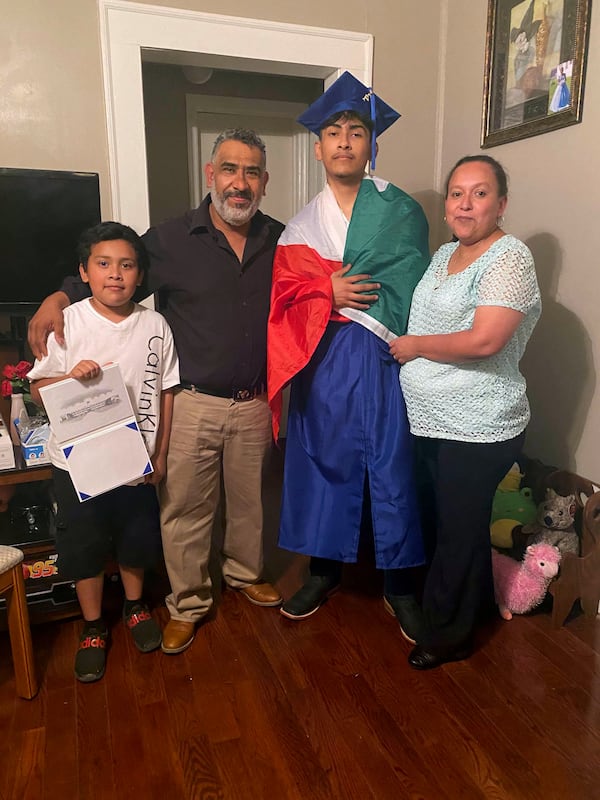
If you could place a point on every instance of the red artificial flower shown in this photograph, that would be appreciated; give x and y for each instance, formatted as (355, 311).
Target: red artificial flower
(15, 378)
(9, 371)
(22, 368)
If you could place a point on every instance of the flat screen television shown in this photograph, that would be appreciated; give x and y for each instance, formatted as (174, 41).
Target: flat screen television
(42, 214)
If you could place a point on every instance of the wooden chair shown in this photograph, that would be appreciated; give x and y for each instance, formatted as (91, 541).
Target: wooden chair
(579, 576)
(12, 588)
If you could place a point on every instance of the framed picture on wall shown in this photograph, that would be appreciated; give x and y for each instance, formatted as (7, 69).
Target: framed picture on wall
(534, 67)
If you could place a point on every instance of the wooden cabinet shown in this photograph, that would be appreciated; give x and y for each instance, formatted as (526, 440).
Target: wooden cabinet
(28, 523)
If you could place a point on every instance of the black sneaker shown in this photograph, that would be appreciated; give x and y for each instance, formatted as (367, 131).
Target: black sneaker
(310, 597)
(146, 633)
(408, 613)
(90, 660)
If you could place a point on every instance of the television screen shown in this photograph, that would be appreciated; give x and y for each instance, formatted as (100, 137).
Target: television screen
(42, 214)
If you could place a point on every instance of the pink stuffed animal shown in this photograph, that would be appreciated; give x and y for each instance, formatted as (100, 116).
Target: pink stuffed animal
(520, 586)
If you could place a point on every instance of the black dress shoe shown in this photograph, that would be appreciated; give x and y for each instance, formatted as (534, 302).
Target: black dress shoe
(408, 613)
(422, 657)
(310, 597)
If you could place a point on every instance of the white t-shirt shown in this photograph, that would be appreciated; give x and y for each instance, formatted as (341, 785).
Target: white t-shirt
(141, 344)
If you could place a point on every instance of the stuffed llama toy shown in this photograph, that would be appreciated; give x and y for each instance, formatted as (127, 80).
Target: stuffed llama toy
(520, 586)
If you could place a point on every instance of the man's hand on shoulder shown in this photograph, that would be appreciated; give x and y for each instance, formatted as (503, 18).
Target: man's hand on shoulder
(48, 317)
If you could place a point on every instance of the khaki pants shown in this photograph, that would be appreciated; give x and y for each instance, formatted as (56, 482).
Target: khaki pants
(209, 434)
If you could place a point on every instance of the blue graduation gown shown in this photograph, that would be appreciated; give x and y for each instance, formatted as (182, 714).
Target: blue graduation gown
(347, 419)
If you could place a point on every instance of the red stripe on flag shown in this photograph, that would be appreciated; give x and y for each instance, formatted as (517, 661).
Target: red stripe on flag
(301, 307)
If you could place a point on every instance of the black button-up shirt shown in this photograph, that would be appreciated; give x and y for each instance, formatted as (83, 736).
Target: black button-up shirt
(216, 306)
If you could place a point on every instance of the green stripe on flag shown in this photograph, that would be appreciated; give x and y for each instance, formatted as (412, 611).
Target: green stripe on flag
(388, 239)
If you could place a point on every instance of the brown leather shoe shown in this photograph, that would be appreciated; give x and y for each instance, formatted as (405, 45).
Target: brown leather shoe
(262, 594)
(177, 636)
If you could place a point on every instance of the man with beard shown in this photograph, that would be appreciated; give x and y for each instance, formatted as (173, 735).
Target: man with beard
(212, 270)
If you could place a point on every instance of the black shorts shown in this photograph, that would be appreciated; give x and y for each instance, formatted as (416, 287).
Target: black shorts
(123, 524)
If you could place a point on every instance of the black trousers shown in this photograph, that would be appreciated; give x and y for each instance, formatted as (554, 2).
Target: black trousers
(457, 482)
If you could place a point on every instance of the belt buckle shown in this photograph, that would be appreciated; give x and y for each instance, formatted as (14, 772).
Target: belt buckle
(241, 395)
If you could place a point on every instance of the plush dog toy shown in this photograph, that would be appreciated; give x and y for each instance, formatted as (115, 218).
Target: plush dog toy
(520, 586)
(555, 523)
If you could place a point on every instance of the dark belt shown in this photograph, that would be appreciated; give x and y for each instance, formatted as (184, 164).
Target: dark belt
(237, 395)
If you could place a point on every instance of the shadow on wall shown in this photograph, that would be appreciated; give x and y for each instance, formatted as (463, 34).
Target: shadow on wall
(433, 206)
(558, 366)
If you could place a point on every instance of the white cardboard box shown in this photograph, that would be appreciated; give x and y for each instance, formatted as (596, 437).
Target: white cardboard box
(94, 424)
(35, 454)
(7, 454)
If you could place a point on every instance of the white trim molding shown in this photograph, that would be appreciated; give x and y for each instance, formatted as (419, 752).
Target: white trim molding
(128, 29)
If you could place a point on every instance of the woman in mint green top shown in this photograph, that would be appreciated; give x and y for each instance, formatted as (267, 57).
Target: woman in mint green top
(481, 399)
(471, 317)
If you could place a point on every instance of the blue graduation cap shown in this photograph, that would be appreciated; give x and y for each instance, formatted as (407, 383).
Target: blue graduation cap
(347, 93)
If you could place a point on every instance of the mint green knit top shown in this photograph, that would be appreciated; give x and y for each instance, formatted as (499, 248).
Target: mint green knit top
(473, 401)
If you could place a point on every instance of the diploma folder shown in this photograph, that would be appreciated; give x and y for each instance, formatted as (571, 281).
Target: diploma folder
(96, 429)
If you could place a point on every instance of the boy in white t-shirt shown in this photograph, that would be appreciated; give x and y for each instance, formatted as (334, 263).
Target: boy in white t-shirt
(106, 328)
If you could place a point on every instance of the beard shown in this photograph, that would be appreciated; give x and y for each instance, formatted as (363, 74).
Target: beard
(234, 216)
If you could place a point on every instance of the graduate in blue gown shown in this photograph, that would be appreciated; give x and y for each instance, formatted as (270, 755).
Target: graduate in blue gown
(348, 442)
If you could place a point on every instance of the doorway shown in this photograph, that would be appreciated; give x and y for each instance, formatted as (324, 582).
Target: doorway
(185, 37)
(183, 118)
(288, 146)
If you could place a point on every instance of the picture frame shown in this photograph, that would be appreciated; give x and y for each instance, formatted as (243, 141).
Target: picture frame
(534, 67)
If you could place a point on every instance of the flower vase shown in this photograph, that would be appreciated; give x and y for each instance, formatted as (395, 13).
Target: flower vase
(17, 412)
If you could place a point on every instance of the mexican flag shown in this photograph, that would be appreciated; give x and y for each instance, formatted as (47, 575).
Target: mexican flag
(387, 238)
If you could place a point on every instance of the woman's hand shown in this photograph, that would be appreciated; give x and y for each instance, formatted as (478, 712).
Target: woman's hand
(349, 292)
(492, 328)
(404, 348)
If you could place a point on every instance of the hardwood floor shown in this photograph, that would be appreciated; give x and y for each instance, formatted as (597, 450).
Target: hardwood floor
(262, 708)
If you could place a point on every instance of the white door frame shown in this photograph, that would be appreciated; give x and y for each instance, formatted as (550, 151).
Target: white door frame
(245, 44)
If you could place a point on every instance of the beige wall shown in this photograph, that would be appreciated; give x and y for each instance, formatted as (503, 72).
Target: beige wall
(52, 116)
(554, 205)
(51, 92)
